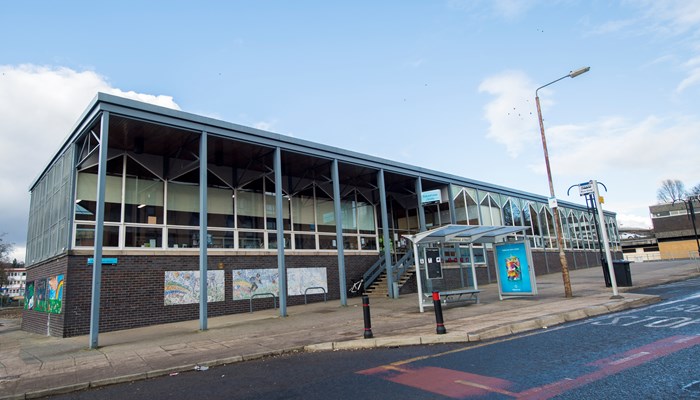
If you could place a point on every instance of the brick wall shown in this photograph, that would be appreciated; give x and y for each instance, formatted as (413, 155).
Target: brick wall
(132, 290)
(41, 322)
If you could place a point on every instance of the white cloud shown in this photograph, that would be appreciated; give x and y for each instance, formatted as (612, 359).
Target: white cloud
(512, 113)
(693, 67)
(656, 147)
(38, 107)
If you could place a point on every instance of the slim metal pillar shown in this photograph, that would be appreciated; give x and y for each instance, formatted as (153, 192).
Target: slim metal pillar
(339, 233)
(419, 199)
(451, 202)
(385, 234)
(203, 236)
(99, 231)
(280, 232)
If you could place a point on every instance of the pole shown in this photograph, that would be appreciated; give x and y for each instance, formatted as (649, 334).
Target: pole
(560, 236)
(692, 219)
(439, 322)
(368, 322)
(604, 231)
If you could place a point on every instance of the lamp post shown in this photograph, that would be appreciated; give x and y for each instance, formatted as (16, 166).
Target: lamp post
(553, 199)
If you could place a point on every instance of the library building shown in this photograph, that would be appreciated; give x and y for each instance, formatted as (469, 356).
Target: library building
(148, 215)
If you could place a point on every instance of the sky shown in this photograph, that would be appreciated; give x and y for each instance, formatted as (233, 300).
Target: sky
(447, 84)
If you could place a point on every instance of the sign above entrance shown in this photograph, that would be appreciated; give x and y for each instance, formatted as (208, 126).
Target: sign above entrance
(431, 196)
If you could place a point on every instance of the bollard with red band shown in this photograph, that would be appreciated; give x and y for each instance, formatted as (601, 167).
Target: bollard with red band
(368, 322)
(440, 324)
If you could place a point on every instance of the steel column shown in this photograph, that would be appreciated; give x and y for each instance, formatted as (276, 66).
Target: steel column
(203, 235)
(385, 234)
(99, 232)
(421, 210)
(282, 270)
(339, 233)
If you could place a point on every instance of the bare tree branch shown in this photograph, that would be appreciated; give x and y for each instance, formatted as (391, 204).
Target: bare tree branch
(671, 190)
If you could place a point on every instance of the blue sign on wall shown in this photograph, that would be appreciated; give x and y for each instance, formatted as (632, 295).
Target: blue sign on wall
(431, 196)
(515, 272)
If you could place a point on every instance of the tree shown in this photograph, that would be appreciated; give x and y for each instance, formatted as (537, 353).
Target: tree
(695, 190)
(5, 250)
(671, 190)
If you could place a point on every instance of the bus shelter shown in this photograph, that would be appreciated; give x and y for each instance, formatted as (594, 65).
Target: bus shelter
(428, 253)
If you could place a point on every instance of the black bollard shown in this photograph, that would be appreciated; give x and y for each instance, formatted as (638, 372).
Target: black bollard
(438, 314)
(368, 322)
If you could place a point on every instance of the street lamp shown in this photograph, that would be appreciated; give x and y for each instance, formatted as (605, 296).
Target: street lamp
(553, 199)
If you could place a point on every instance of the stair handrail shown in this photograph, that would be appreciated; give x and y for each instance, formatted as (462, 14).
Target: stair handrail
(373, 272)
(403, 265)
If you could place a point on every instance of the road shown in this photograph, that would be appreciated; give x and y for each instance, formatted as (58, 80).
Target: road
(646, 353)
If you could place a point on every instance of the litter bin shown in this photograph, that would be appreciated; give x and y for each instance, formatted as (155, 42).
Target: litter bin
(623, 277)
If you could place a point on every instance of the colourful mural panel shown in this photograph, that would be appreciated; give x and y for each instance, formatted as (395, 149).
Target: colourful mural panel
(300, 279)
(182, 287)
(40, 296)
(54, 294)
(247, 282)
(29, 296)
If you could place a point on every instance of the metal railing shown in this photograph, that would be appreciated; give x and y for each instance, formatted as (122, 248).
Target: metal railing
(374, 272)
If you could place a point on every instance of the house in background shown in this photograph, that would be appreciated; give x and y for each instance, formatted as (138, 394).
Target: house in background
(16, 279)
(674, 231)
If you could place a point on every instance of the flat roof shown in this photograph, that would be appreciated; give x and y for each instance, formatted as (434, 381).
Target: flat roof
(197, 123)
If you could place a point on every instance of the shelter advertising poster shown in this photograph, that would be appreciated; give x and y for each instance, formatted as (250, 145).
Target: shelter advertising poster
(182, 287)
(514, 269)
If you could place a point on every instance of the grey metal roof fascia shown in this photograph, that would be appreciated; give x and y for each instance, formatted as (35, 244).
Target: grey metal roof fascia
(85, 119)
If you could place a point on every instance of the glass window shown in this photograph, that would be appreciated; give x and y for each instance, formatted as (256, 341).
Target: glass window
(365, 217)
(250, 209)
(325, 213)
(348, 211)
(143, 195)
(350, 242)
(251, 240)
(272, 241)
(183, 238)
(461, 208)
(143, 237)
(183, 204)
(85, 235)
(326, 242)
(304, 242)
(221, 239)
(86, 197)
(303, 211)
(220, 204)
(368, 243)
(271, 212)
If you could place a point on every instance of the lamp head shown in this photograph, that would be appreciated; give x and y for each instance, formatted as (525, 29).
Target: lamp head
(574, 74)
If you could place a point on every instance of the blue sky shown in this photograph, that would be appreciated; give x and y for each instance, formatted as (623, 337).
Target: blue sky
(448, 85)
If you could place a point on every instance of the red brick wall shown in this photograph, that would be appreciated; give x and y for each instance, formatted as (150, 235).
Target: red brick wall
(132, 290)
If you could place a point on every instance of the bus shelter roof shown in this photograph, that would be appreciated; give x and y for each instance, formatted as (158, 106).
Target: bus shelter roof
(467, 234)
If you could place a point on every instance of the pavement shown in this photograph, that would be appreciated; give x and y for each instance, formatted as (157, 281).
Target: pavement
(33, 366)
